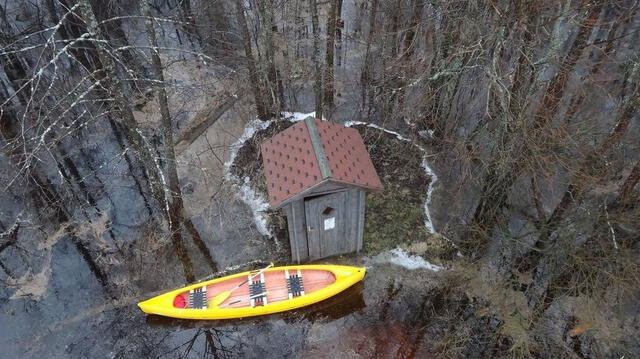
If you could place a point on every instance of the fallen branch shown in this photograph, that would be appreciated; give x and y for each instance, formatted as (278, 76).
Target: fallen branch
(202, 122)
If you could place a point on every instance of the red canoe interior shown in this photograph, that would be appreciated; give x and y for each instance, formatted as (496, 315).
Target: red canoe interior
(275, 286)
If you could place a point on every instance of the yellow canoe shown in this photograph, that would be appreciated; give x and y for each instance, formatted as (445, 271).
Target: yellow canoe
(273, 290)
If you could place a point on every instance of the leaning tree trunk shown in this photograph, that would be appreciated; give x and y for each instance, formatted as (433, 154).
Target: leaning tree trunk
(174, 195)
(189, 22)
(316, 58)
(45, 196)
(584, 177)
(624, 196)
(271, 79)
(331, 40)
(500, 178)
(120, 105)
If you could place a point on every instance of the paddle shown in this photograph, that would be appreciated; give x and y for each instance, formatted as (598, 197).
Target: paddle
(251, 297)
(220, 298)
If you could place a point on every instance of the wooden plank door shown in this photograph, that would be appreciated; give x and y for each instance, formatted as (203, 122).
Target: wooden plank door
(325, 224)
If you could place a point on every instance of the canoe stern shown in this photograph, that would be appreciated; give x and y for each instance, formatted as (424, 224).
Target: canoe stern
(160, 304)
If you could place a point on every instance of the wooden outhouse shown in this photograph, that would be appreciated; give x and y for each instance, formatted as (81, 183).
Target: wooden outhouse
(318, 172)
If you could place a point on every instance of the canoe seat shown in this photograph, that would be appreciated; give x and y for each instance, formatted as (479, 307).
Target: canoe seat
(257, 291)
(198, 298)
(294, 284)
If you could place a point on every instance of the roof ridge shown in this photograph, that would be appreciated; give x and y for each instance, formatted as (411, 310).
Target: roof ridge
(321, 156)
(311, 152)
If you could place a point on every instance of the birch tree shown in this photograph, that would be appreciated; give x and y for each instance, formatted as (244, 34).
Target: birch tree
(173, 194)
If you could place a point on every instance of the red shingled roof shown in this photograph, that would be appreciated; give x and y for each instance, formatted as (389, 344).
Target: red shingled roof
(313, 152)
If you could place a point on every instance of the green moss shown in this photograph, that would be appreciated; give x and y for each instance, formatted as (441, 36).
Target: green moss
(395, 217)
(390, 220)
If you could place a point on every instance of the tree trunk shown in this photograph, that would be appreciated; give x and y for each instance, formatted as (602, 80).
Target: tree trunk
(331, 39)
(121, 105)
(113, 32)
(316, 58)
(624, 196)
(251, 62)
(167, 127)
(394, 28)
(501, 176)
(271, 80)
(410, 33)
(72, 28)
(174, 194)
(407, 67)
(189, 21)
(339, 28)
(584, 176)
(367, 69)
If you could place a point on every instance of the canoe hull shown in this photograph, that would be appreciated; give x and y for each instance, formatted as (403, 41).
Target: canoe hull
(345, 277)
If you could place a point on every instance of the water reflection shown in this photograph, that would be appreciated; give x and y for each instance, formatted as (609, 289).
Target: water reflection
(339, 306)
(205, 343)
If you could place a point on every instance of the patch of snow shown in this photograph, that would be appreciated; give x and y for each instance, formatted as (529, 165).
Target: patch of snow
(428, 223)
(401, 258)
(257, 204)
(255, 201)
(409, 123)
(297, 116)
(425, 133)
(372, 125)
(250, 129)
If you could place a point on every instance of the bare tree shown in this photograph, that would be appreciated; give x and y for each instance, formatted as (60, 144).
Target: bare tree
(316, 59)
(331, 39)
(270, 81)
(254, 77)
(500, 177)
(174, 194)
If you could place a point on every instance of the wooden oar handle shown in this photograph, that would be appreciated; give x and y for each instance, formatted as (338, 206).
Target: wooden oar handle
(251, 297)
(252, 276)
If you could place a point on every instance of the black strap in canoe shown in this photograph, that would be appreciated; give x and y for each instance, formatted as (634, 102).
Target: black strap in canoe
(257, 292)
(198, 298)
(294, 284)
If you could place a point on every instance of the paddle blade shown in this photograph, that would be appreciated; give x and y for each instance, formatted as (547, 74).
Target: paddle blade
(220, 298)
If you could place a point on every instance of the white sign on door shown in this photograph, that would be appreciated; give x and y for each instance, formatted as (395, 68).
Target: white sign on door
(329, 223)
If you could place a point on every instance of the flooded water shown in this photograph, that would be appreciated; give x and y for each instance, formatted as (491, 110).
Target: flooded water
(73, 293)
(379, 317)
